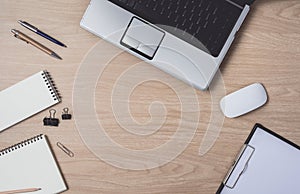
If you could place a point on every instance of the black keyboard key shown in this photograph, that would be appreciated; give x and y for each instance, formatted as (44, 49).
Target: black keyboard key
(131, 3)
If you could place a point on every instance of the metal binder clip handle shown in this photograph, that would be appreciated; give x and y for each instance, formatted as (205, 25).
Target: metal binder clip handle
(52, 113)
(239, 167)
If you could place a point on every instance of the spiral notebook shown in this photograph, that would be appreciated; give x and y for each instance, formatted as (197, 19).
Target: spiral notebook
(30, 164)
(27, 98)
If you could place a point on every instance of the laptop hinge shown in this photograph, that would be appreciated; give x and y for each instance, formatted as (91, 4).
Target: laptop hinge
(240, 3)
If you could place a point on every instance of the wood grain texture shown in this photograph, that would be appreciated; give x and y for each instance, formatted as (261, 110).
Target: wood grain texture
(266, 50)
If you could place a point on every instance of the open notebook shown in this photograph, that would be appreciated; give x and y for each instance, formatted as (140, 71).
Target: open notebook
(267, 164)
(30, 164)
(27, 98)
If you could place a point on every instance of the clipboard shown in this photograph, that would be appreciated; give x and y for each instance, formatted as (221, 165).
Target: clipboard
(267, 164)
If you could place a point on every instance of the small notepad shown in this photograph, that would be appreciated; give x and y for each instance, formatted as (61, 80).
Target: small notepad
(30, 164)
(27, 98)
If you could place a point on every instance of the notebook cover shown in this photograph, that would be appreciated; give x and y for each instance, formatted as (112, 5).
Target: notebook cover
(30, 164)
(27, 98)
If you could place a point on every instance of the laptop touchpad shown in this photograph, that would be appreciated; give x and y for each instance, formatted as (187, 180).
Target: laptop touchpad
(142, 38)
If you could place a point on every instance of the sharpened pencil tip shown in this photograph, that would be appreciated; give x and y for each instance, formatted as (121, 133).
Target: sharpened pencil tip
(56, 56)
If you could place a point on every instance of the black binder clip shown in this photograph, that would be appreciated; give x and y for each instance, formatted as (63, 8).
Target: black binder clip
(51, 121)
(65, 115)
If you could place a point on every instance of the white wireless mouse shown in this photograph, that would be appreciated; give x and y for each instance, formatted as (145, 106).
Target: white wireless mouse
(244, 100)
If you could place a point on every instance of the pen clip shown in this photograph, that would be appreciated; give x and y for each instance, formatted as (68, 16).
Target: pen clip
(19, 37)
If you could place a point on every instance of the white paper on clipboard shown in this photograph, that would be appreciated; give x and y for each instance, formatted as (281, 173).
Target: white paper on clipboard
(268, 164)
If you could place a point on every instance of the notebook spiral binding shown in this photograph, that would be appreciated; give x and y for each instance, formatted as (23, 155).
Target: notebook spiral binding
(21, 144)
(49, 82)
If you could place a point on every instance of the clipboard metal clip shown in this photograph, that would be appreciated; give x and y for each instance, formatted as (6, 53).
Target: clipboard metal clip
(239, 167)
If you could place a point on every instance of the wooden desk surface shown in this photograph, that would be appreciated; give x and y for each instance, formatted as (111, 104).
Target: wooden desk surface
(267, 50)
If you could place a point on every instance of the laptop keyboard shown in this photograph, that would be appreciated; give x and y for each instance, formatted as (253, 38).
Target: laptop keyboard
(206, 24)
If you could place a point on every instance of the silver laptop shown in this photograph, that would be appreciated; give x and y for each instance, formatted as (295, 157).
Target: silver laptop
(185, 38)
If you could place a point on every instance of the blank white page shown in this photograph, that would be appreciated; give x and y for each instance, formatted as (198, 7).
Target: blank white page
(30, 166)
(26, 98)
(274, 167)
